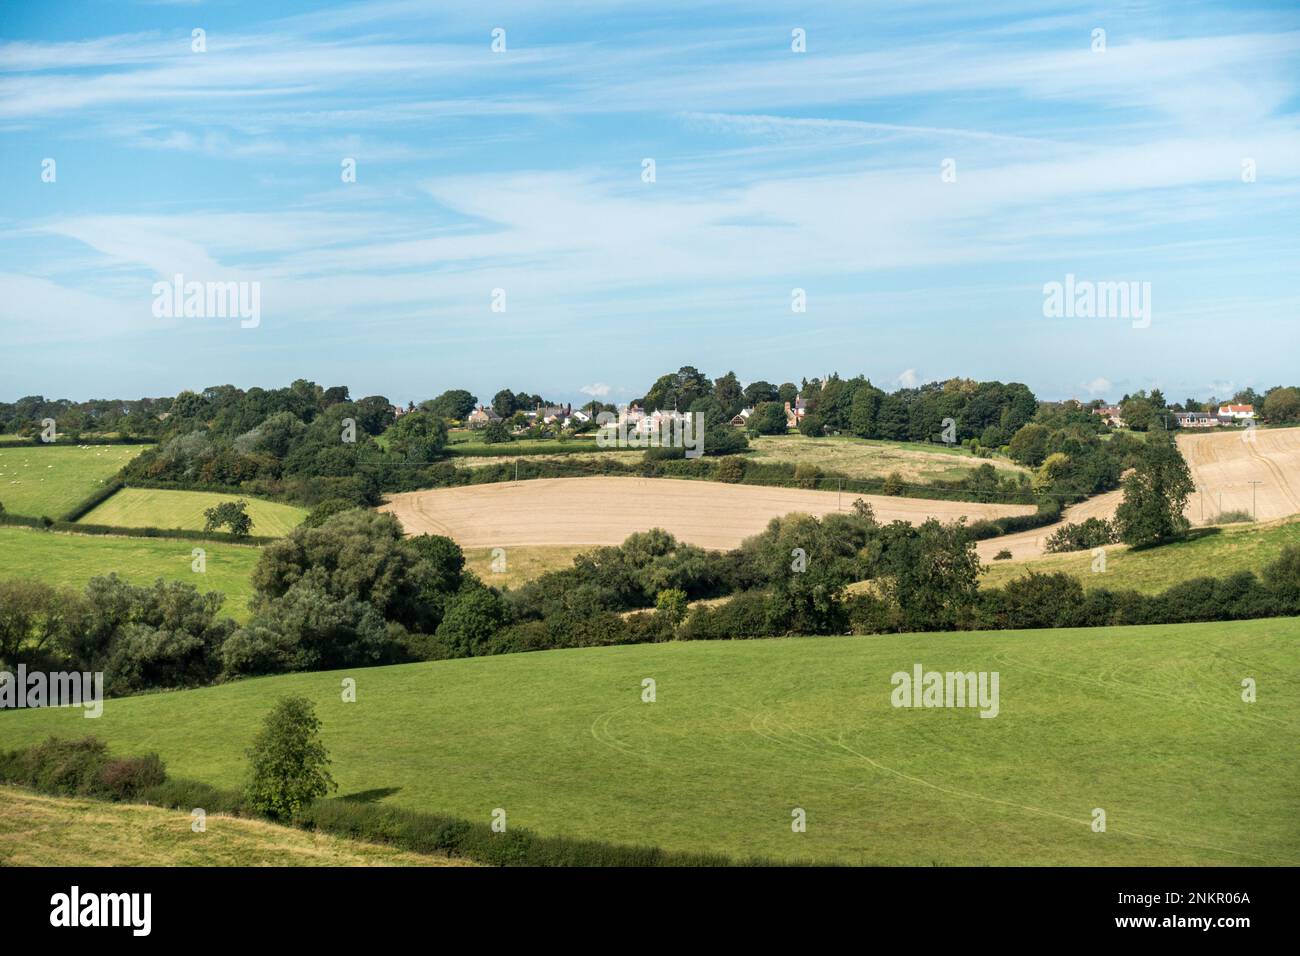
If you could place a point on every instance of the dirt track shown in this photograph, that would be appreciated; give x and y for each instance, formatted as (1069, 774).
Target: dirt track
(604, 511)
(1223, 464)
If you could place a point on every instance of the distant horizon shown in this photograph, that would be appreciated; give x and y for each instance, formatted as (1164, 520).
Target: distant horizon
(580, 399)
(417, 198)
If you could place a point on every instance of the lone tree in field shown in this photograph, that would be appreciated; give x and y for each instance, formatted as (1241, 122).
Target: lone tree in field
(1155, 494)
(233, 514)
(289, 762)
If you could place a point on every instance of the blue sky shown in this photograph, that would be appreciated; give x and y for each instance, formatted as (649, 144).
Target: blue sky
(522, 170)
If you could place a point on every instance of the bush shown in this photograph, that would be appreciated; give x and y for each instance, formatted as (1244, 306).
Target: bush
(326, 510)
(61, 767)
(1092, 533)
(1234, 517)
(125, 778)
(730, 470)
(190, 795)
(1003, 555)
(80, 768)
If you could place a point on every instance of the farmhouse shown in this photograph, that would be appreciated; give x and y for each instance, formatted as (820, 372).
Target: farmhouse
(742, 417)
(1237, 412)
(554, 413)
(1112, 414)
(482, 417)
(1197, 420)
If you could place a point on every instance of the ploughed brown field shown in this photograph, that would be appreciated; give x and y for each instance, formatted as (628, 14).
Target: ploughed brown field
(604, 511)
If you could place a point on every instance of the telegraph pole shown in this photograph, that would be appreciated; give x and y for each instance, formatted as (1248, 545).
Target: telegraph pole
(1254, 514)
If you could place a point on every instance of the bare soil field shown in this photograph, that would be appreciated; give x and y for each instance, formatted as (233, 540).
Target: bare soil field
(1224, 463)
(604, 511)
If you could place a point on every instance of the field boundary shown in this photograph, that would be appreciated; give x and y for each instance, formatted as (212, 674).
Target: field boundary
(77, 527)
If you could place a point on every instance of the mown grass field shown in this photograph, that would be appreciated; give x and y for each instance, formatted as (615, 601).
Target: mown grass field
(867, 458)
(38, 481)
(1145, 723)
(166, 508)
(70, 560)
(49, 831)
(1216, 553)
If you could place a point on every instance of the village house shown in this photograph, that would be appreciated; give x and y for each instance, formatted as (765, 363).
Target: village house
(1197, 420)
(550, 414)
(742, 417)
(1112, 414)
(482, 417)
(1237, 412)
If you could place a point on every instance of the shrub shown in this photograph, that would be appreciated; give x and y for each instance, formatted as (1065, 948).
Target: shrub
(1092, 533)
(1234, 517)
(1003, 555)
(190, 794)
(80, 768)
(807, 474)
(57, 766)
(125, 778)
(730, 469)
(326, 510)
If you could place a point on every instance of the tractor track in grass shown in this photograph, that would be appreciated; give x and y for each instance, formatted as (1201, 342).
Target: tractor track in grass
(766, 725)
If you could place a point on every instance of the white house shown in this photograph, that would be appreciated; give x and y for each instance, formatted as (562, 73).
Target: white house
(1237, 412)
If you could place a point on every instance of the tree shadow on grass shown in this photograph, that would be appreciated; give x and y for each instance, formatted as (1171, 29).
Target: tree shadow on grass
(370, 796)
(1186, 538)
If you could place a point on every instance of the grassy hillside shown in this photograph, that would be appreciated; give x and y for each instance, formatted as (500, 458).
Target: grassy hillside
(1216, 553)
(152, 507)
(70, 560)
(49, 831)
(1145, 723)
(40, 481)
(865, 458)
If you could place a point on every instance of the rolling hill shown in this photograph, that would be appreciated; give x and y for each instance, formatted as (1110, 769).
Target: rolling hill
(1145, 723)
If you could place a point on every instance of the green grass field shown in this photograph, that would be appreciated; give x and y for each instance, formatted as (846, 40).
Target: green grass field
(1146, 723)
(70, 560)
(51, 831)
(1219, 553)
(38, 481)
(866, 458)
(157, 508)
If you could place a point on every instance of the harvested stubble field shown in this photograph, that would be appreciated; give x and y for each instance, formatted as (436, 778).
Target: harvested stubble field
(1224, 463)
(604, 511)
(1024, 545)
